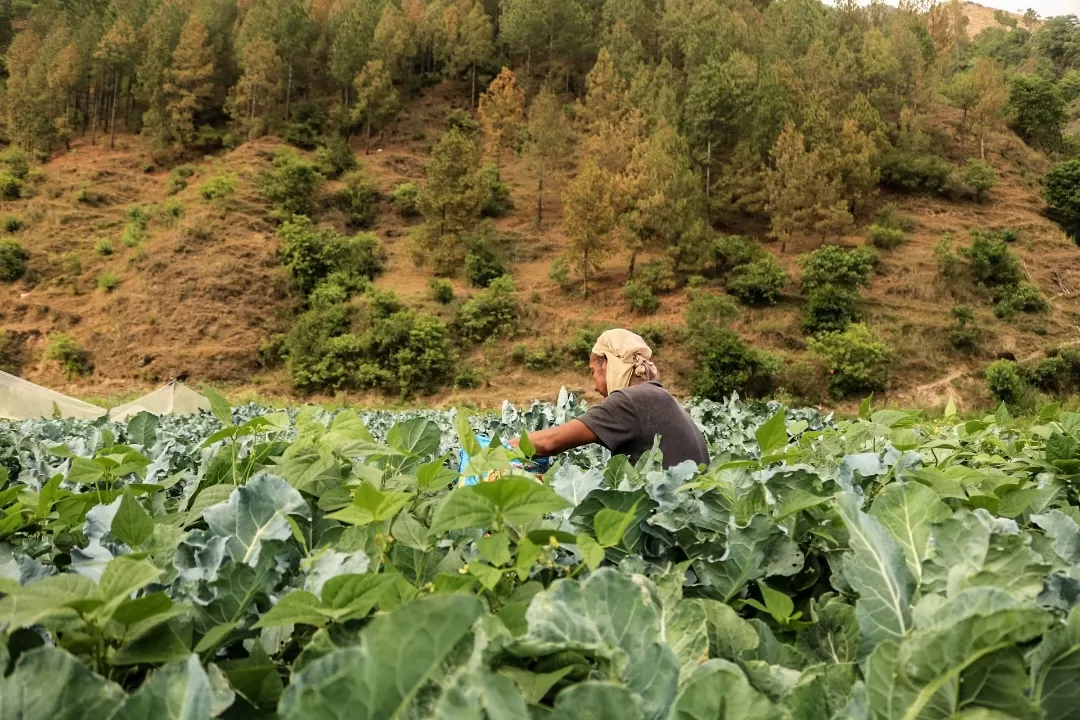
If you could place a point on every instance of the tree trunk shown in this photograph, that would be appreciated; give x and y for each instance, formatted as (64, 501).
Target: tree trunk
(473, 85)
(982, 146)
(112, 114)
(367, 146)
(633, 261)
(93, 118)
(585, 274)
(251, 119)
(540, 202)
(708, 184)
(288, 92)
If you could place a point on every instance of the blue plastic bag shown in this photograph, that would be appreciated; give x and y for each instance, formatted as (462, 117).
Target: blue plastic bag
(537, 466)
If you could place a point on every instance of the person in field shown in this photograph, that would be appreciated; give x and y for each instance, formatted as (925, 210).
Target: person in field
(636, 408)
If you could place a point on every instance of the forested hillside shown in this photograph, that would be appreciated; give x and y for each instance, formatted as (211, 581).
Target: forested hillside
(309, 197)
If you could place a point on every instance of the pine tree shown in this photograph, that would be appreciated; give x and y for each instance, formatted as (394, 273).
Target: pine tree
(963, 93)
(24, 104)
(501, 112)
(605, 91)
(589, 219)
(115, 52)
(472, 45)
(988, 112)
(188, 81)
(803, 197)
(376, 99)
(63, 76)
(352, 45)
(254, 99)
(159, 36)
(395, 42)
(548, 137)
(450, 202)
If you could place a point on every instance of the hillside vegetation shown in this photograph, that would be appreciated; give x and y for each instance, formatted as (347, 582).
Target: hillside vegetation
(452, 198)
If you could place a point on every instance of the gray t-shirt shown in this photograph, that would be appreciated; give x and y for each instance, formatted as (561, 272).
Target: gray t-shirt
(627, 421)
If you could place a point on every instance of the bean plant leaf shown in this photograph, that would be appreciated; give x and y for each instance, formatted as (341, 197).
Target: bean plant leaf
(255, 513)
(142, 429)
(876, 569)
(219, 406)
(514, 500)
(373, 680)
(131, 524)
(772, 435)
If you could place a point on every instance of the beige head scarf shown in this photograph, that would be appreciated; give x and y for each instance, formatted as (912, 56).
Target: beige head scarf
(628, 356)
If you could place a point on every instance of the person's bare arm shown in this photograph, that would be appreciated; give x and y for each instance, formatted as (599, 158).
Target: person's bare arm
(560, 438)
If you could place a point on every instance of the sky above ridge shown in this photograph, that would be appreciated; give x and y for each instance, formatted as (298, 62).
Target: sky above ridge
(1045, 8)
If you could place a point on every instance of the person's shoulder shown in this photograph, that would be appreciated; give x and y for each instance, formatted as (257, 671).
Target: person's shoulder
(650, 389)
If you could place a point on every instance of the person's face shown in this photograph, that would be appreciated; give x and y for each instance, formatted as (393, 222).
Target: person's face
(599, 375)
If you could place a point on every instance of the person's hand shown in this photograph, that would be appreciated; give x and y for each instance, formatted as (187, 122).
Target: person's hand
(514, 442)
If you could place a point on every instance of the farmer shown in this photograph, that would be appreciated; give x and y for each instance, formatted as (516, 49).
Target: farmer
(636, 408)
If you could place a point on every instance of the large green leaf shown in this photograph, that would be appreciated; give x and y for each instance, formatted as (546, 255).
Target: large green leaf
(178, 691)
(374, 680)
(876, 569)
(255, 512)
(131, 524)
(46, 598)
(595, 700)
(612, 616)
(1055, 669)
(909, 511)
(728, 568)
(51, 684)
(142, 429)
(514, 500)
(962, 654)
(772, 435)
(719, 690)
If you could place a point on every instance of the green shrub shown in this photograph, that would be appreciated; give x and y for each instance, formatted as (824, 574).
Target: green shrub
(405, 198)
(482, 263)
(559, 272)
(305, 127)
(658, 275)
(757, 283)
(725, 364)
(178, 179)
(1037, 110)
(696, 281)
(209, 139)
(833, 265)
(492, 312)
(442, 291)
(10, 186)
(171, 210)
(332, 346)
(13, 259)
(313, 255)
(71, 356)
(579, 347)
(335, 157)
(652, 333)
(538, 358)
(497, 201)
(707, 312)
(1058, 373)
(1061, 189)
(138, 215)
(1004, 382)
(908, 172)
(359, 199)
(829, 309)
(458, 119)
(108, 281)
(886, 238)
(854, 360)
(731, 251)
(12, 224)
(1021, 298)
(990, 260)
(72, 264)
(889, 216)
(964, 335)
(290, 186)
(218, 188)
(11, 352)
(132, 235)
(980, 177)
(639, 298)
(948, 263)
(103, 247)
(15, 163)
